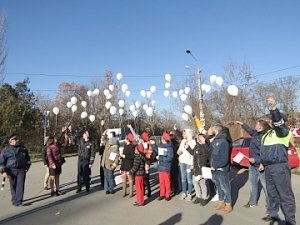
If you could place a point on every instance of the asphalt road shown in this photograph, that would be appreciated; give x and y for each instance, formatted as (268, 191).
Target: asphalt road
(99, 208)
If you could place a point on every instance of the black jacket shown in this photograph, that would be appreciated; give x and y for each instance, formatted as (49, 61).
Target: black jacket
(200, 157)
(86, 151)
(127, 162)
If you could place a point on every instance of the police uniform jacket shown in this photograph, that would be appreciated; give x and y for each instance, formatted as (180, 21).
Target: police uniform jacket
(86, 151)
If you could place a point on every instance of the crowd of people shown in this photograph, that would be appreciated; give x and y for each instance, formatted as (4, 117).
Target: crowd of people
(180, 158)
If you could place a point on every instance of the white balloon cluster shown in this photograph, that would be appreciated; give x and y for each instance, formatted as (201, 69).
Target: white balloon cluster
(216, 79)
(233, 90)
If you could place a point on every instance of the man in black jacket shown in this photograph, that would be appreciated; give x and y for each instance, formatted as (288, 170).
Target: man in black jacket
(274, 158)
(14, 163)
(86, 157)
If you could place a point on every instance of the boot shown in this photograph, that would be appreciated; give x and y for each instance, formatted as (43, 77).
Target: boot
(220, 205)
(227, 209)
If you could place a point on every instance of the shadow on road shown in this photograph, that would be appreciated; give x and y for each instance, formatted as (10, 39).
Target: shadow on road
(238, 179)
(172, 220)
(214, 220)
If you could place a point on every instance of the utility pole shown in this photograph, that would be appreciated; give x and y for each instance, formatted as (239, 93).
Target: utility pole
(46, 124)
(199, 76)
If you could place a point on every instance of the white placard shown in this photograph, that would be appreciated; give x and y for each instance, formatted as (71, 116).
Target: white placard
(239, 157)
(112, 156)
(206, 172)
(162, 151)
(145, 144)
(118, 179)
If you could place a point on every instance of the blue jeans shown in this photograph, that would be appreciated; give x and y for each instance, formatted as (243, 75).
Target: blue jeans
(221, 180)
(186, 178)
(254, 177)
(109, 182)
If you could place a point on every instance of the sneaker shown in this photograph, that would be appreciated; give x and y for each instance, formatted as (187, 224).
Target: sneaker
(188, 198)
(197, 200)
(182, 196)
(168, 199)
(215, 198)
(269, 218)
(249, 205)
(203, 202)
(160, 198)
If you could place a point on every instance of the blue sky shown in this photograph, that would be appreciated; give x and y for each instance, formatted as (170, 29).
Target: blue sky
(147, 38)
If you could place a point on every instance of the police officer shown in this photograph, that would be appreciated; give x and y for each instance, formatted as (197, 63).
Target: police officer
(14, 163)
(274, 159)
(86, 157)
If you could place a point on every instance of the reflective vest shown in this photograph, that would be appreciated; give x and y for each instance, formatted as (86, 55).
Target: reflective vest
(270, 138)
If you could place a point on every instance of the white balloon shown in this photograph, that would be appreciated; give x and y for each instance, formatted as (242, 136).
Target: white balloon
(135, 113)
(203, 87)
(153, 89)
(113, 110)
(148, 94)
(83, 115)
(74, 100)
(185, 116)
(92, 118)
(121, 103)
(168, 77)
(219, 81)
(121, 112)
(175, 94)
(124, 88)
(187, 90)
(96, 92)
(55, 110)
(143, 93)
(107, 104)
(149, 111)
(74, 108)
(166, 93)
(233, 90)
(181, 92)
(119, 76)
(106, 92)
(111, 87)
(145, 107)
(84, 104)
(207, 88)
(167, 85)
(153, 102)
(212, 79)
(132, 108)
(137, 104)
(127, 93)
(109, 96)
(69, 104)
(188, 109)
(89, 93)
(183, 97)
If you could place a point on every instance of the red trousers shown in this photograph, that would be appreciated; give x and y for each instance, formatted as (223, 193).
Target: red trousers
(164, 184)
(139, 188)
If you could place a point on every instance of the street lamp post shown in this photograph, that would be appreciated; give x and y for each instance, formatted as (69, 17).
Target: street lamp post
(46, 124)
(199, 76)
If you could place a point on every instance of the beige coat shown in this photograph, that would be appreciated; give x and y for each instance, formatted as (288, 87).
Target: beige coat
(109, 151)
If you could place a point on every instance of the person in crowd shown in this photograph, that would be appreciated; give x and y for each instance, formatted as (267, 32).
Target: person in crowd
(200, 156)
(147, 149)
(138, 171)
(164, 156)
(220, 149)
(101, 150)
(86, 158)
(45, 162)
(110, 160)
(55, 162)
(255, 176)
(14, 164)
(186, 164)
(127, 157)
(274, 159)
(175, 178)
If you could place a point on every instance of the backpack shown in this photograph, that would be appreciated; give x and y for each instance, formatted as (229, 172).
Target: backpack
(21, 158)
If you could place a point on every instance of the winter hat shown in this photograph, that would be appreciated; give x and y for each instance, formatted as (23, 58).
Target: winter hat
(166, 136)
(145, 136)
(130, 137)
